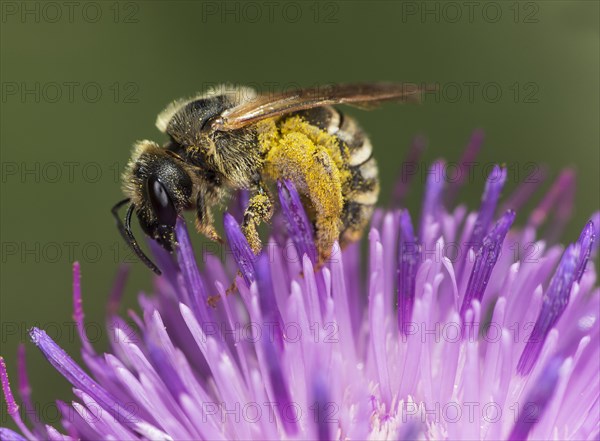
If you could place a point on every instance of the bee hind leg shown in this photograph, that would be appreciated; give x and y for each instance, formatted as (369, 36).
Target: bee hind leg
(260, 209)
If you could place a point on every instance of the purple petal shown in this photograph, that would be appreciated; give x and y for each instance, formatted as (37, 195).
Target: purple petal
(585, 243)
(536, 401)
(11, 406)
(76, 376)
(563, 187)
(23, 380)
(522, 194)
(118, 288)
(410, 432)
(165, 261)
(268, 303)
(554, 303)
(563, 206)
(321, 402)
(106, 426)
(55, 435)
(485, 260)
(595, 219)
(9, 435)
(465, 164)
(279, 384)
(299, 227)
(410, 168)
(432, 202)
(241, 251)
(489, 201)
(78, 315)
(409, 258)
(241, 202)
(558, 201)
(73, 423)
(24, 389)
(165, 370)
(189, 268)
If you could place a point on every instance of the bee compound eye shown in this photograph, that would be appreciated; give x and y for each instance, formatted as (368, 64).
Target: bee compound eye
(163, 206)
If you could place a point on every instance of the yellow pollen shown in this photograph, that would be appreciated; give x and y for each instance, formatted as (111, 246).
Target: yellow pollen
(314, 161)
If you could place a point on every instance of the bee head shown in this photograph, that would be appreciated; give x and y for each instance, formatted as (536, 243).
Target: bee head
(159, 186)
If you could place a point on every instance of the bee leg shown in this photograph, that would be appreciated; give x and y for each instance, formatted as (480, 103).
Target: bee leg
(204, 219)
(260, 209)
(322, 179)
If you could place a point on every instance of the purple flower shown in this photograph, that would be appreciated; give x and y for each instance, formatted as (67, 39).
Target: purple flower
(464, 328)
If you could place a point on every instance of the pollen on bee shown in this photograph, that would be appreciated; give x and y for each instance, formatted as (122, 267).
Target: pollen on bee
(314, 161)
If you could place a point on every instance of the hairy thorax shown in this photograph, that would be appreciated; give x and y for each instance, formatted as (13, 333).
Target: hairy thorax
(235, 157)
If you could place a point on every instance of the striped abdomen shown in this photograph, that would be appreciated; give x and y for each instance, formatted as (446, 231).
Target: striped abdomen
(361, 192)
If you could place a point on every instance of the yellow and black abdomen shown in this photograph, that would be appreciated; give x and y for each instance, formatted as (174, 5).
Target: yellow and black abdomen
(360, 189)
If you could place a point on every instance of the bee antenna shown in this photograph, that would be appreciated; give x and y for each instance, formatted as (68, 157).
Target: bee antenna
(127, 234)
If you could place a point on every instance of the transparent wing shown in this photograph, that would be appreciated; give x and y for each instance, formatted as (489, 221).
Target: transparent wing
(363, 95)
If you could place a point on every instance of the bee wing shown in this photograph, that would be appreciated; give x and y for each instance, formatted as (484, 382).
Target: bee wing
(363, 95)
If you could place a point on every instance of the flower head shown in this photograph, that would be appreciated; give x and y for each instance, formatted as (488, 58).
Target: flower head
(463, 328)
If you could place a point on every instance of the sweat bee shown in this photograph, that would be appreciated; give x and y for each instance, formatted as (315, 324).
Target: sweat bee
(233, 138)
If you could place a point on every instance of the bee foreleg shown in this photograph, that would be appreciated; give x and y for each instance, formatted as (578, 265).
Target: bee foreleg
(260, 209)
(204, 219)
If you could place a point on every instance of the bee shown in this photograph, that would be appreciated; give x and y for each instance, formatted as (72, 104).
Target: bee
(233, 138)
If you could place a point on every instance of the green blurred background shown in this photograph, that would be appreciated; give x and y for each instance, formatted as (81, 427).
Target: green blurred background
(81, 83)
